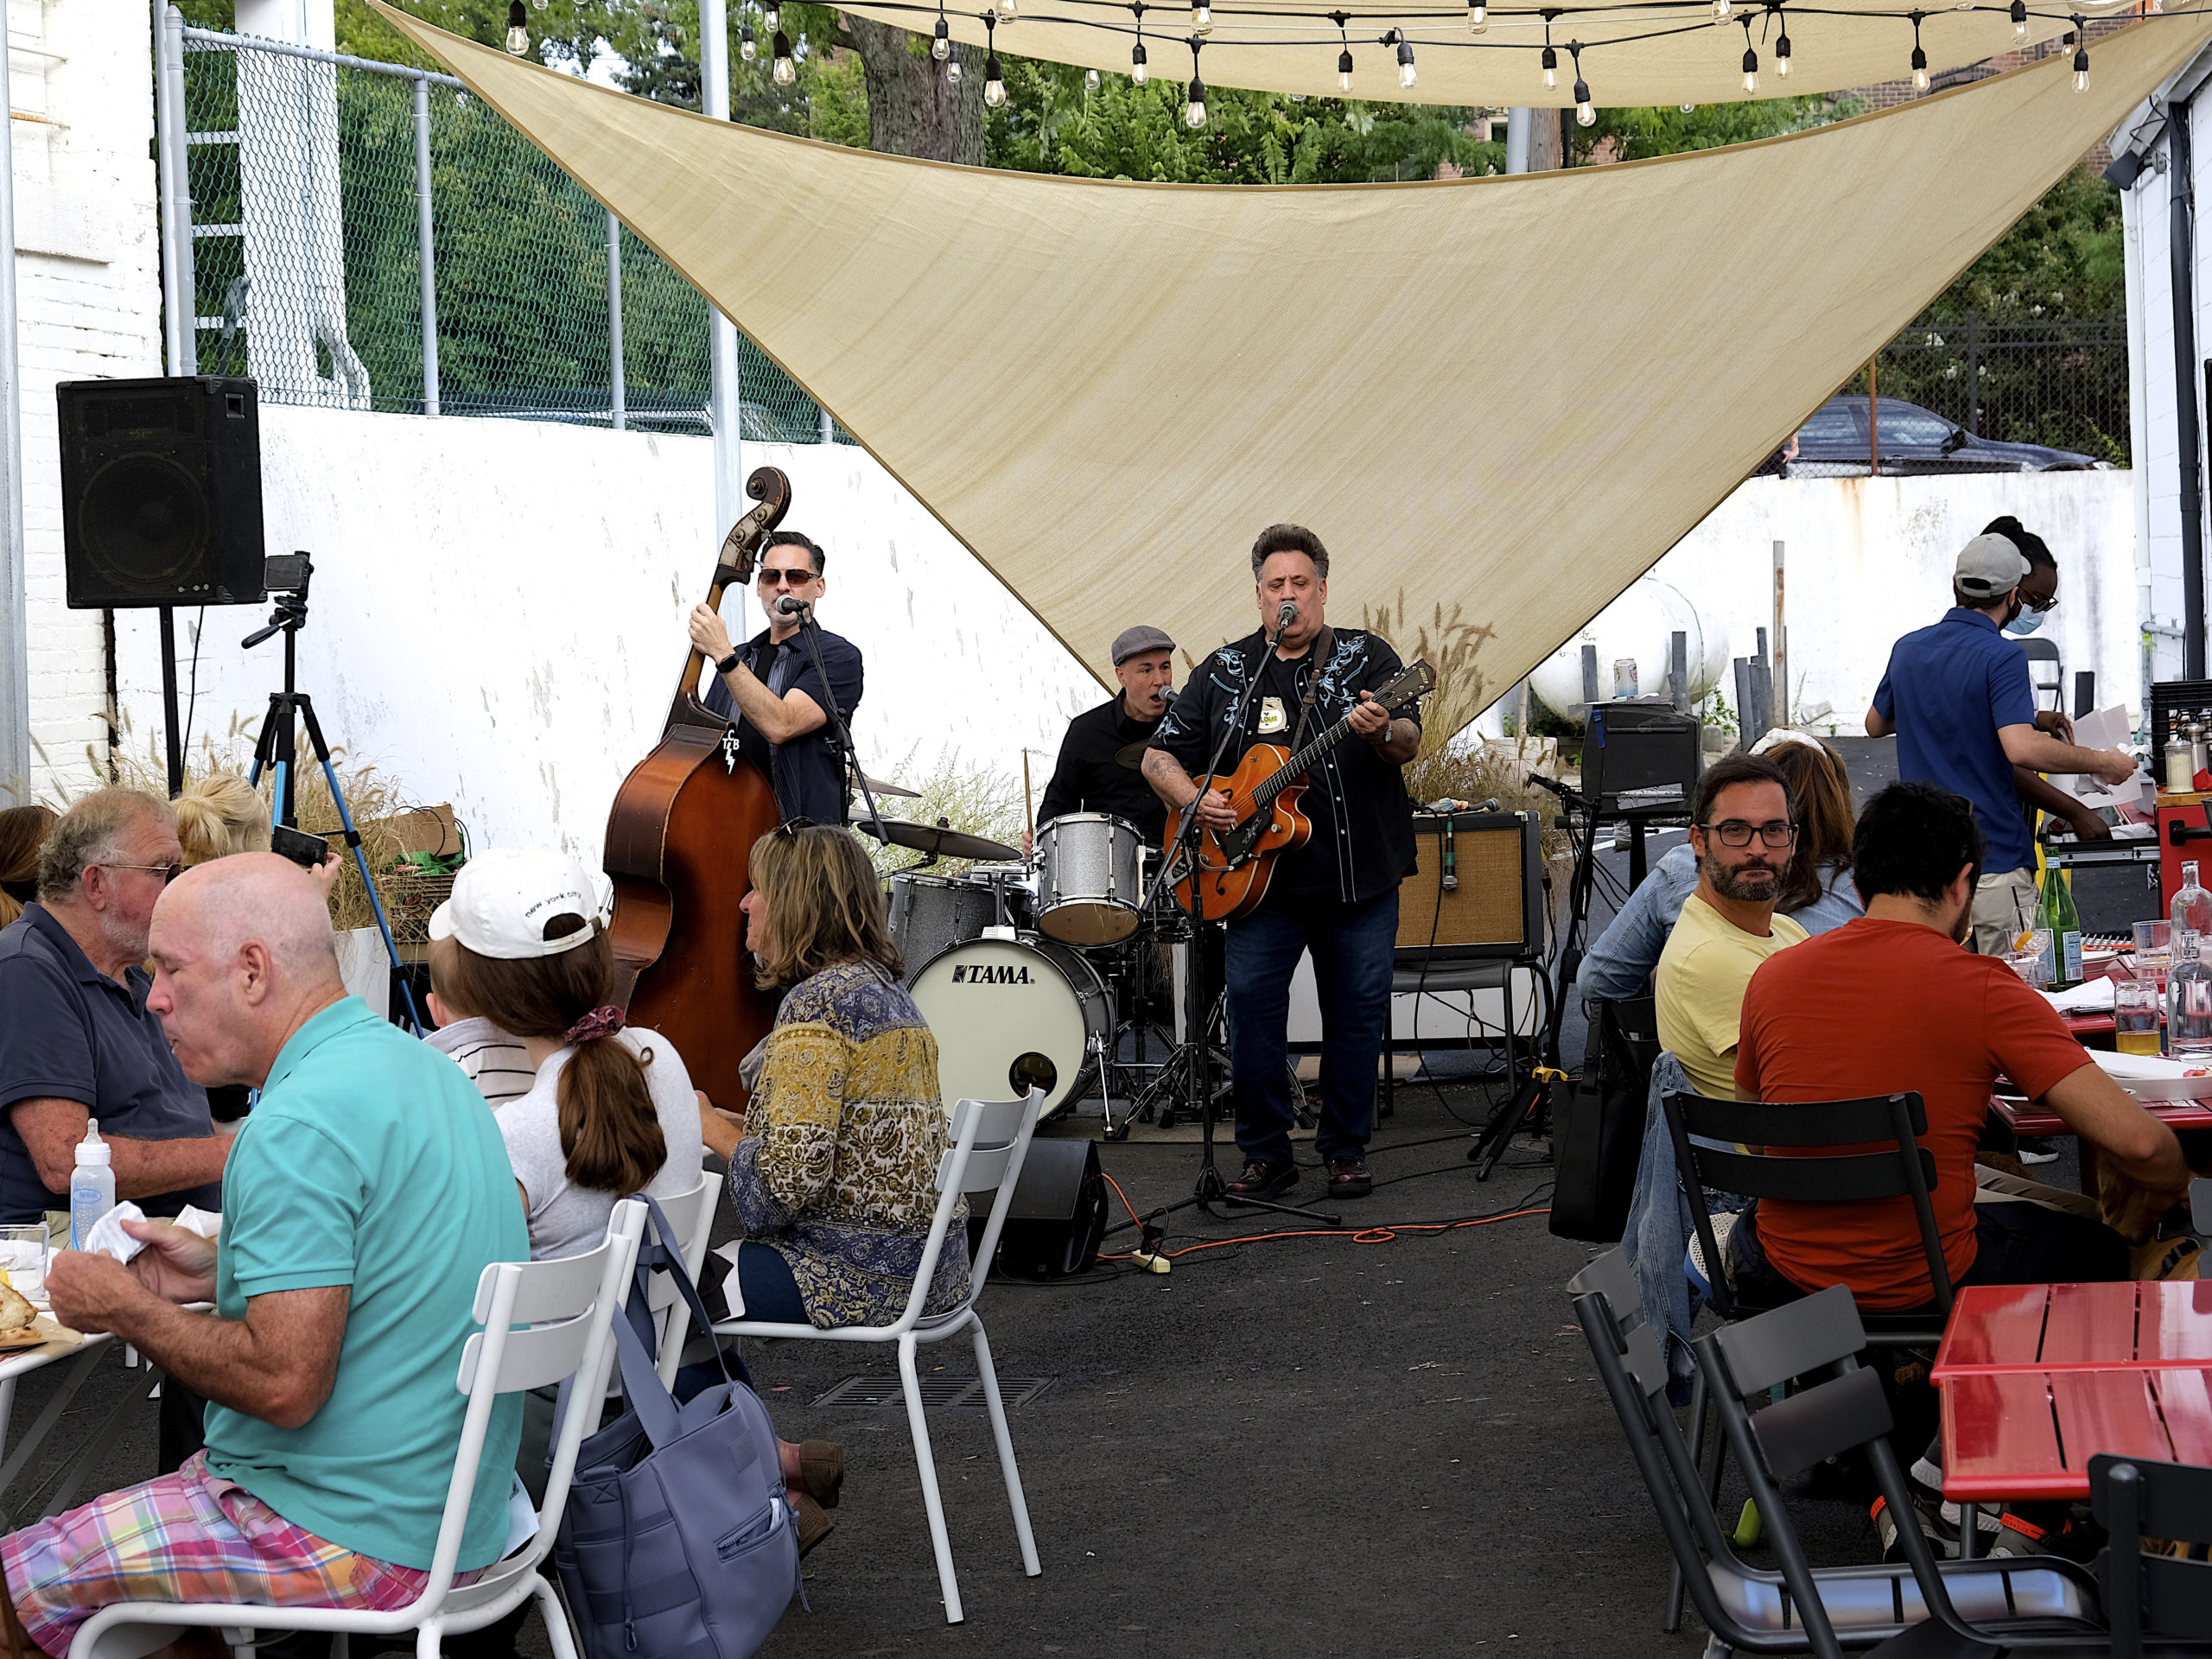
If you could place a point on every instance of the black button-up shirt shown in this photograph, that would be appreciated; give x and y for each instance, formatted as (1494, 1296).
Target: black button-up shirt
(1363, 839)
(70, 1032)
(809, 771)
(1088, 778)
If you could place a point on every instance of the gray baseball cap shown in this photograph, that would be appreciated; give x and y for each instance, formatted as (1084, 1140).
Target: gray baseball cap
(1989, 565)
(1145, 637)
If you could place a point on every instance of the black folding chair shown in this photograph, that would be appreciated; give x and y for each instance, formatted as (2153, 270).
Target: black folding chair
(2160, 1597)
(1984, 1608)
(1754, 1609)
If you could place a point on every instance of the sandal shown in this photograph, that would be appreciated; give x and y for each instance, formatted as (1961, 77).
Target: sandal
(813, 1525)
(822, 1470)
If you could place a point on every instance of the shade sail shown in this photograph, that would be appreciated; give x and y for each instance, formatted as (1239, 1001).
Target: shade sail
(1504, 397)
(1661, 52)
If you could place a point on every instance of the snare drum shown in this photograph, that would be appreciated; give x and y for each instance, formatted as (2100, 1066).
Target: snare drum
(930, 913)
(1092, 882)
(1009, 1014)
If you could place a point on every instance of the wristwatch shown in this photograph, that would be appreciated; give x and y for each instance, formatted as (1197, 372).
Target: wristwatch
(727, 663)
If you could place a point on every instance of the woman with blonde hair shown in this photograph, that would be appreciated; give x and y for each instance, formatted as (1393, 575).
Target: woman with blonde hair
(22, 831)
(220, 813)
(833, 1166)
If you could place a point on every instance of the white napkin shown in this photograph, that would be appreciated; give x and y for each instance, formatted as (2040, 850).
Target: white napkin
(108, 1239)
(2090, 997)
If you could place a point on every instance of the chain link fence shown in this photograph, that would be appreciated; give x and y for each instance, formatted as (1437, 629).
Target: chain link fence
(324, 188)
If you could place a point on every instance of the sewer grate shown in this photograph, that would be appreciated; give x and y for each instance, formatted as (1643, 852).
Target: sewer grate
(939, 1393)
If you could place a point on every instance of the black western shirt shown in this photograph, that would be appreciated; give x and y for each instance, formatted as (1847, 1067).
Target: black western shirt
(1088, 778)
(809, 771)
(1363, 839)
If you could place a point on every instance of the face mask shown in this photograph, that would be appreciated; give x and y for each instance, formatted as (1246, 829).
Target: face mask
(2025, 623)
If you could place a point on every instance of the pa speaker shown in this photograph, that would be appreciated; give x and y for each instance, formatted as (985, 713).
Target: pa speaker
(160, 492)
(1478, 893)
(1059, 1214)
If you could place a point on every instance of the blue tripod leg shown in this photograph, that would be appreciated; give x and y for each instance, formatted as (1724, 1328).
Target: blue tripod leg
(361, 860)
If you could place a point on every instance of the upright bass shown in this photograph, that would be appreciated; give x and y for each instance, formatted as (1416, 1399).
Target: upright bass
(678, 840)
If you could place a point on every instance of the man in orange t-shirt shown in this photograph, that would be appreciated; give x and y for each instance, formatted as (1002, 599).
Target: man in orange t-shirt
(1890, 1003)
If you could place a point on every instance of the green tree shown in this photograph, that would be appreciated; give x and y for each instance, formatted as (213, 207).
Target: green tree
(1636, 135)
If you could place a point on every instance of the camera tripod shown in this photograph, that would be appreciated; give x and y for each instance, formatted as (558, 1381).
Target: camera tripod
(276, 747)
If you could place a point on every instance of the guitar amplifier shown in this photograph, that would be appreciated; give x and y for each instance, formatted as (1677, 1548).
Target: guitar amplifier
(1640, 746)
(1478, 893)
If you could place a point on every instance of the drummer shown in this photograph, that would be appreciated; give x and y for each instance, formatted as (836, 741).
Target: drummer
(1090, 776)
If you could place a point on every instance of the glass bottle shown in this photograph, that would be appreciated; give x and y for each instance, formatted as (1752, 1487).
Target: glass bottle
(2197, 743)
(2192, 907)
(2188, 1002)
(2055, 910)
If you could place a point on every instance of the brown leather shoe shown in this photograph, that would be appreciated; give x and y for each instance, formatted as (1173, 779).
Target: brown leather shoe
(1349, 1177)
(1261, 1180)
(813, 1525)
(822, 1470)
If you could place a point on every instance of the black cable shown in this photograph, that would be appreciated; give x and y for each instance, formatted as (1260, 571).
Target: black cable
(198, 627)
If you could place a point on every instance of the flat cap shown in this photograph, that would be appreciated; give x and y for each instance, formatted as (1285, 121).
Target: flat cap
(1143, 637)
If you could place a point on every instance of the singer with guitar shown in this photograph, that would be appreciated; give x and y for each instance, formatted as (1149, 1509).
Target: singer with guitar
(770, 686)
(1337, 892)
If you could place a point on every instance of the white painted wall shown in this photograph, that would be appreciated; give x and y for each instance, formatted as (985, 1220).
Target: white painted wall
(1870, 559)
(88, 275)
(497, 616)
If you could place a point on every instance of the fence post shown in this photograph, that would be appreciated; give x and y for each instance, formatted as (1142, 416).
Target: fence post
(617, 401)
(428, 252)
(1974, 373)
(180, 295)
(827, 426)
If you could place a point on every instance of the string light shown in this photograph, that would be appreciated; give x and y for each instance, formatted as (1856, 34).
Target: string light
(1478, 17)
(1781, 44)
(749, 48)
(1008, 12)
(1751, 57)
(1720, 9)
(1091, 80)
(940, 44)
(2081, 58)
(952, 73)
(1138, 73)
(1344, 57)
(772, 19)
(1584, 114)
(1919, 57)
(1202, 18)
(517, 28)
(1406, 74)
(785, 71)
(2019, 20)
(1194, 103)
(1551, 67)
(994, 86)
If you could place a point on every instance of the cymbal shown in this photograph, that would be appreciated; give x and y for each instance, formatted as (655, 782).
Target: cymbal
(1132, 754)
(941, 840)
(882, 788)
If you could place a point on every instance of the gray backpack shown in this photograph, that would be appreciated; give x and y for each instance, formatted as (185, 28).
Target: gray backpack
(678, 1541)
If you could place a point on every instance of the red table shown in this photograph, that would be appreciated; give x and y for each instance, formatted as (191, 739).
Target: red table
(2037, 1379)
(2027, 1117)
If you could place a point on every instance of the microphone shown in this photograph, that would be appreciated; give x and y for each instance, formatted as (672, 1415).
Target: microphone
(789, 605)
(1286, 614)
(1542, 782)
(1166, 696)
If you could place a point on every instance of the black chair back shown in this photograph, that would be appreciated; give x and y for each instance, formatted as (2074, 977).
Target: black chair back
(1901, 1169)
(2161, 1596)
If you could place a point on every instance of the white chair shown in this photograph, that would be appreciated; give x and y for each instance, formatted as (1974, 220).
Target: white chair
(566, 1306)
(990, 1139)
(692, 1215)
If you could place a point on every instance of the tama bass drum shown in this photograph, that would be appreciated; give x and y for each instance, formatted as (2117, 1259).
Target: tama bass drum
(1012, 1014)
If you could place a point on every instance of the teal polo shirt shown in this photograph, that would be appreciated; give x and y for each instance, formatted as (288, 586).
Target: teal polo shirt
(372, 1162)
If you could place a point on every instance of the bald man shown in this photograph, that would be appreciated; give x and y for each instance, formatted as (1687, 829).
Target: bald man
(362, 1201)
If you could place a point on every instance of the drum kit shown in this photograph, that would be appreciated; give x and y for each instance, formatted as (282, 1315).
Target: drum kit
(1031, 972)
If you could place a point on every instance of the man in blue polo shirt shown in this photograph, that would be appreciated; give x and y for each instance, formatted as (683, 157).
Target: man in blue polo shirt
(1957, 695)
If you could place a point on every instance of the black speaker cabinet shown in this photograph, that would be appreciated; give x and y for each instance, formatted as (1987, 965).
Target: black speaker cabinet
(1632, 745)
(1478, 894)
(160, 492)
(1059, 1214)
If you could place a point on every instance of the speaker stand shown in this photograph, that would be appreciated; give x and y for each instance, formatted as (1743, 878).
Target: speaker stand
(168, 702)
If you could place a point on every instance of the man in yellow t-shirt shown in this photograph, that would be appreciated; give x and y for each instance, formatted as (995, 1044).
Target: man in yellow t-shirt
(1743, 832)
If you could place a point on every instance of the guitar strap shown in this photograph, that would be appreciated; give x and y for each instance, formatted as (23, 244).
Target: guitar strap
(1323, 643)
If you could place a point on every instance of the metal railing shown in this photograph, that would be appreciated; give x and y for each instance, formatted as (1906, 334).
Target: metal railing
(364, 235)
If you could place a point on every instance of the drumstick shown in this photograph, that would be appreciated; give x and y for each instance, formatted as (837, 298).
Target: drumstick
(1028, 812)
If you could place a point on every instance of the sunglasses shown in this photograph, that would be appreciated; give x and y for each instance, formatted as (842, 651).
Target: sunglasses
(789, 829)
(797, 577)
(169, 873)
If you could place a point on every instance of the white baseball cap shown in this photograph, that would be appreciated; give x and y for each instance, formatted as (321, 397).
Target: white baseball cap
(1989, 565)
(502, 900)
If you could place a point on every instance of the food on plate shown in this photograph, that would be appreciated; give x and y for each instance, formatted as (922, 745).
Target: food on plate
(16, 1313)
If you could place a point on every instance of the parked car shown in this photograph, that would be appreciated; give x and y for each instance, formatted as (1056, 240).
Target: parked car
(1834, 442)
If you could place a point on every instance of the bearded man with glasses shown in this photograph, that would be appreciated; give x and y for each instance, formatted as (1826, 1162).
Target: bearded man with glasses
(771, 687)
(76, 1039)
(1744, 833)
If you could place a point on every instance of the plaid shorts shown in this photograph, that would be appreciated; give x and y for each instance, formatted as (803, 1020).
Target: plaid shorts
(189, 1536)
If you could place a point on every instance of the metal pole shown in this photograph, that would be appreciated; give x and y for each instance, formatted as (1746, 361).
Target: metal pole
(2182, 246)
(616, 403)
(1516, 141)
(1678, 671)
(180, 295)
(1781, 646)
(14, 605)
(1973, 372)
(723, 397)
(428, 252)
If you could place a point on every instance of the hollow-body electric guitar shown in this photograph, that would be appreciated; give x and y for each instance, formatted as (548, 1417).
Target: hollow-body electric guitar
(1233, 867)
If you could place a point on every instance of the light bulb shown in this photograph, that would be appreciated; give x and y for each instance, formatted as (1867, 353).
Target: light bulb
(2020, 20)
(940, 48)
(993, 87)
(1478, 15)
(787, 72)
(2082, 69)
(1091, 80)
(1194, 111)
(952, 73)
(1344, 70)
(517, 28)
(771, 20)
(1689, 108)
(1750, 70)
(747, 47)
(1138, 73)
(1720, 11)
(1009, 13)
(1584, 115)
(1782, 57)
(1202, 19)
(1551, 67)
(1919, 70)
(540, 4)
(1406, 74)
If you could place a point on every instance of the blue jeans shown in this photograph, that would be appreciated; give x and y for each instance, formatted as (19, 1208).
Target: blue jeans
(1351, 946)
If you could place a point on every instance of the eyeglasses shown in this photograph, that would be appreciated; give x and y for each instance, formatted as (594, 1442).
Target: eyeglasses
(797, 577)
(1736, 833)
(2040, 604)
(169, 873)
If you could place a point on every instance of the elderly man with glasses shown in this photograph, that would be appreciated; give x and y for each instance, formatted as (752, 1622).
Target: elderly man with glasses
(771, 687)
(1743, 832)
(76, 1041)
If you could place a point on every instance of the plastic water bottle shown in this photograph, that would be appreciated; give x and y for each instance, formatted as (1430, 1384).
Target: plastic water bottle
(92, 1185)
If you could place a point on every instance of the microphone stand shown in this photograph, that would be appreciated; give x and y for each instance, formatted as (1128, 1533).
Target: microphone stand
(810, 633)
(1211, 1188)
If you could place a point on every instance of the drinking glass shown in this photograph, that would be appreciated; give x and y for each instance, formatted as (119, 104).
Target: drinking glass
(2154, 951)
(2032, 964)
(2135, 1016)
(23, 1259)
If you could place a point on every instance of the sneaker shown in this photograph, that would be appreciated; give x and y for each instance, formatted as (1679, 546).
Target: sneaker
(2038, 1149)
(1943, 1517)
(1261, 1180)
(1349, 1177)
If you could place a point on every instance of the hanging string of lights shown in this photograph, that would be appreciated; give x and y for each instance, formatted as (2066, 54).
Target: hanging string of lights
(1479, 14)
